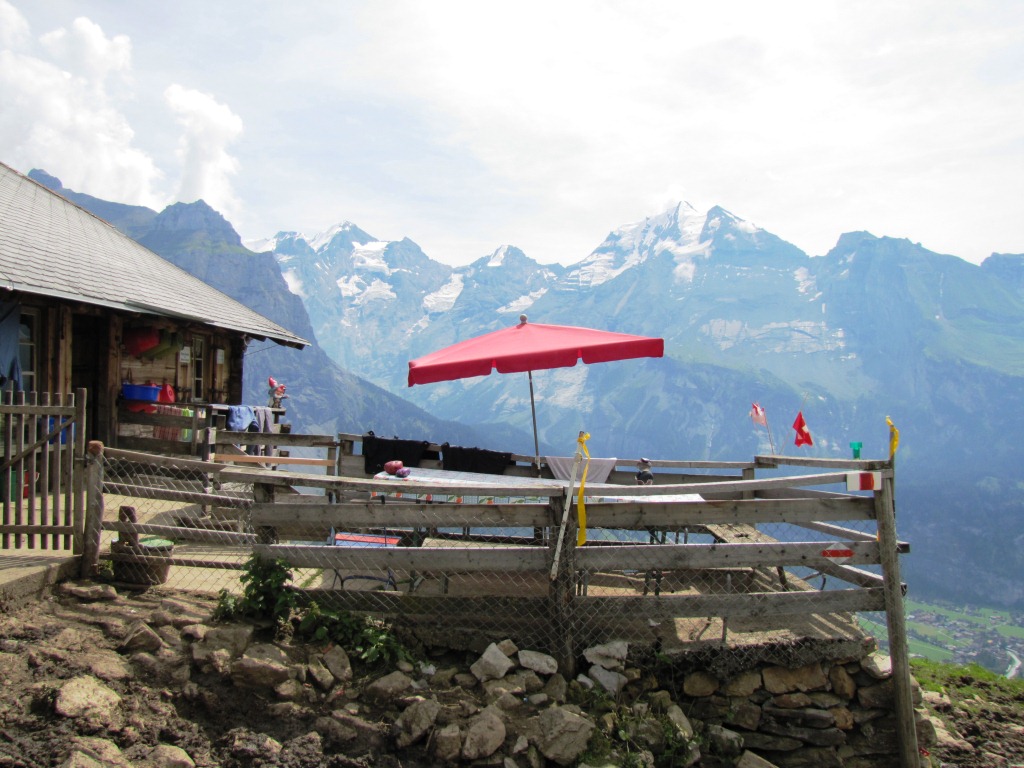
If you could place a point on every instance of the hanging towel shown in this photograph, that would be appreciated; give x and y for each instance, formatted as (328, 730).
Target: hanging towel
(240, 417)
(458, 459)
(264, 418)
(263, 421)
(10, 328)
(378, 451)
(597, 472)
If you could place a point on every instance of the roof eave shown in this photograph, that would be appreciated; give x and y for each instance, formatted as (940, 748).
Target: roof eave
(285, 339)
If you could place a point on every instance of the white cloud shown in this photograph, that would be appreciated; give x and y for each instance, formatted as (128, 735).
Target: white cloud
(207, 167)
(14, 29)
(463, 125)
(63, 121)
(87, 50)
(813, 118)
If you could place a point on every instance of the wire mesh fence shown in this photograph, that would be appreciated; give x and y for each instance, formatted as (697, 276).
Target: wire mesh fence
(737, 565)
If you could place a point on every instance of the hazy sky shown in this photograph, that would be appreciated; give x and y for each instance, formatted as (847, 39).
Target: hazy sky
(468, 125)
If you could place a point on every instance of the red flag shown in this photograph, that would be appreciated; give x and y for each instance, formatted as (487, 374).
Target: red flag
(803, 434)
(757, 415)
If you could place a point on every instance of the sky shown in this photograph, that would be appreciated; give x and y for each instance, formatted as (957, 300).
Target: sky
(471, 124)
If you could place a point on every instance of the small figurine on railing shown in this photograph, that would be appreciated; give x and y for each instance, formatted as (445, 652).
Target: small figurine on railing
(276, 393)
(644, 476)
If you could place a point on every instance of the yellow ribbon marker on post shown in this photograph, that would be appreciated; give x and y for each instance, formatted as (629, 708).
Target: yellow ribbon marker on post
(581, 507)
(581, 536)
(894, 438)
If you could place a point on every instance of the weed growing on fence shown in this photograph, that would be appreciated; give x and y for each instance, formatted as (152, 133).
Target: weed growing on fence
(365, 639)
(265, 594)
(322, 625)
(379, 645)
(268, 596)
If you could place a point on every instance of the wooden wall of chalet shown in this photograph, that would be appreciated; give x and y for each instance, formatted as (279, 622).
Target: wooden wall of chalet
(79, 345)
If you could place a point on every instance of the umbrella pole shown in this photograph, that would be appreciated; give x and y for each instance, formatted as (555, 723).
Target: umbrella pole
(533, 412)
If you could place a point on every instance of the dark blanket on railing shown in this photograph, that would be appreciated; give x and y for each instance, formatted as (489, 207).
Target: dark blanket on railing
(458, 459)
(378, 451)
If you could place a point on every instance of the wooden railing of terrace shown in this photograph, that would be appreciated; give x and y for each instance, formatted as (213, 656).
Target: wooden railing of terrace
(489, 549)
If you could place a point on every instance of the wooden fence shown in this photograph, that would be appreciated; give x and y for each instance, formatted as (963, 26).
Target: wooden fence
(41, 482)
(493, 557)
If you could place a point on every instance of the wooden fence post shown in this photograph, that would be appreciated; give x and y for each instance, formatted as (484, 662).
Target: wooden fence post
(562, 587)
(94, 509)
(885, 511)
(77, 465)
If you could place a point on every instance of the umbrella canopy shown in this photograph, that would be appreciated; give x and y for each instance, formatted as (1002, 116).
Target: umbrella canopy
(530, 347)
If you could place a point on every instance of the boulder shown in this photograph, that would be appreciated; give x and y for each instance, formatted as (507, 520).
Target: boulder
(878, 665)
(562, 735)
(167, 756)
(263, 665)
(842, 682)
(388, 688)
(87, 698)
(492, 665)
(413, 724)
(93, 752)
(484, 734)
(608, 679)
(699, 684)
(610, 655)
(749, 760)
(809, 677)
(337, 661)
(448, 744)
(743, 684)
(141, 638)
(540, 663)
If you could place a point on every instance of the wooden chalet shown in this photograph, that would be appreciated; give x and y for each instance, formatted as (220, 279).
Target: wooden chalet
(83, 306)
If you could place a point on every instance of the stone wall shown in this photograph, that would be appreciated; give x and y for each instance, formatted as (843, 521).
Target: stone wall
(823, 714)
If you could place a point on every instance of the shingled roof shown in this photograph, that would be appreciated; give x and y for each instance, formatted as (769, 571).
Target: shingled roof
(52, 247)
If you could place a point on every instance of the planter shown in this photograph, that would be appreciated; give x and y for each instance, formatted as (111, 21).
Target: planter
(142, 572)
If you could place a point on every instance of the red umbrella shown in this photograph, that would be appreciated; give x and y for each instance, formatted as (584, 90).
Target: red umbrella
(530, 347)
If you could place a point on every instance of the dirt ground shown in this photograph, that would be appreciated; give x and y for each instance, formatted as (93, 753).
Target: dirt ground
(988, 717)
(45, 644)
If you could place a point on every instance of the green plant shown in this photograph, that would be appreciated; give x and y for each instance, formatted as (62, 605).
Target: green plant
(378, 644)
(963, 681)
(227, 606)
(322, 625)
(365, 639)
(105, 571)
(265, 592)
(677, 747)
(630, 732)
(595, 699)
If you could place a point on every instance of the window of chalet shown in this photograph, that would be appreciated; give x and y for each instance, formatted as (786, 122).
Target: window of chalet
(199, 367)
(28, 344)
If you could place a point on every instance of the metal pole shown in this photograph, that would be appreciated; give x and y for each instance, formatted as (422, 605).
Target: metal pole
(533, 412)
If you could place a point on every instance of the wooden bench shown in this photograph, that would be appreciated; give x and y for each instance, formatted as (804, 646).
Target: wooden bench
(730, 533)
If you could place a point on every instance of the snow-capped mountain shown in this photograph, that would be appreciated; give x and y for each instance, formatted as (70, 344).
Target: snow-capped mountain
(876, 327)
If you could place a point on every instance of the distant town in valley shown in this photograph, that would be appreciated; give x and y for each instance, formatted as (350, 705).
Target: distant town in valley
(958, 634)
